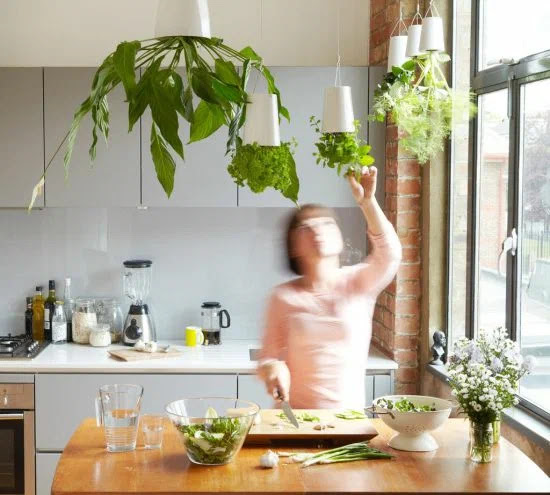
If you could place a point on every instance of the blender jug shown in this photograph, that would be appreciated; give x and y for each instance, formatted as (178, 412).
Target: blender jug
(212, 322)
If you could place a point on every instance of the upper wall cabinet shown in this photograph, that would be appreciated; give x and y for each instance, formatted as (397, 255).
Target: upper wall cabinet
(201, 180)
(21, 137)
(302, 90)
(114, 178)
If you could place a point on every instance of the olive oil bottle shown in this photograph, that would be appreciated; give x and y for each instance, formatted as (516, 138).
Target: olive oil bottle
(49, 310)
(38, 315)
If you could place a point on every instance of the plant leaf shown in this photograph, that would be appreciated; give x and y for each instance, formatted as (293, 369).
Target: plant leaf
(225, 70)
(272, 89)
(245, 74)
(84, 108)
(189, 112)
(139, 103)
(37, 191)
(291, 192)
(208, 119)
(227, 92)
(164, 163)
(201, 81)
(124, 60)
(249, 53)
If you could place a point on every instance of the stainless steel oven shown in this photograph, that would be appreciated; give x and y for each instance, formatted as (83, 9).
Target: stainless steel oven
(17, 474)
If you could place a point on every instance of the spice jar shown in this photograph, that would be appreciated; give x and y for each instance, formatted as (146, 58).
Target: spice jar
(100, 335)
(84, 317)
(108, 311)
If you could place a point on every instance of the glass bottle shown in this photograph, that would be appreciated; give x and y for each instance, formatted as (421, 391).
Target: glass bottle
(49, 309)
(59, 324)
(28, 317)
(481, 441)
(38, 314)
(69, 309)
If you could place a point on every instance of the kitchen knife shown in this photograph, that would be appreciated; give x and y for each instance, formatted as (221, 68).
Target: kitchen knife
(288, 410)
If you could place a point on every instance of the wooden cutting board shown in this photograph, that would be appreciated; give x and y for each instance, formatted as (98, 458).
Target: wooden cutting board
(273, 429)
(133, 355)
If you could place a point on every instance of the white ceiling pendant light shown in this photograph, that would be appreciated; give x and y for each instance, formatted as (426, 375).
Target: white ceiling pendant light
(413, 35)
(262, 120)
(398, 44)
(431, 39)
(338, 106)
(183, 18)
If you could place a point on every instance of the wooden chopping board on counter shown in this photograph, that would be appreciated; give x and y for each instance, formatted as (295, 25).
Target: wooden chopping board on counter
(274, 429)
(133, 355)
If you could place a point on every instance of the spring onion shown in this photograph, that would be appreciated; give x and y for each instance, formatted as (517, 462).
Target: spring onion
(301, 417)
(351, 414)
(347, 453)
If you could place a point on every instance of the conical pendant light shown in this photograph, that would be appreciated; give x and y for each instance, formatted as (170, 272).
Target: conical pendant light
(183, 18)
(262, 120)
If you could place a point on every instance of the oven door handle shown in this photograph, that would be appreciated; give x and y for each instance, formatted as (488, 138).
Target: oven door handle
(13, 417)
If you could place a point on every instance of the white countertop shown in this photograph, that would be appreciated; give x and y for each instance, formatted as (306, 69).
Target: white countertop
(232, 356)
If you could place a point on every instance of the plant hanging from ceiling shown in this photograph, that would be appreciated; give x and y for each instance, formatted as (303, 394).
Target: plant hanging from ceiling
(210, 75)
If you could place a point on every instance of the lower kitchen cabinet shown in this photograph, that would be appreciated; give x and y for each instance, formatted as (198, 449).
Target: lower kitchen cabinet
(46, 464)
(64, 400)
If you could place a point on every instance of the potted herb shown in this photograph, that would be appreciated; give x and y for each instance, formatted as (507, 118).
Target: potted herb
(342, 150)
(210, 75)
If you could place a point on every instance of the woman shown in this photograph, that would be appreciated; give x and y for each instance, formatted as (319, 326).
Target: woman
(318, 328)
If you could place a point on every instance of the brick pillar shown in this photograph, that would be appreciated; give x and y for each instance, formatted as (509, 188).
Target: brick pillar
(396, 325)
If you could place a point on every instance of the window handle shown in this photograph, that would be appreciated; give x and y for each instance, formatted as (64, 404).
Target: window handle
(509, 244)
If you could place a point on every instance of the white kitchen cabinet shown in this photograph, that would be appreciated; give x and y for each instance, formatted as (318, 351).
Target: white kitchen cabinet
(64, 400)
(302, 90)
(200, 180)
(21, 136)
(46, 464)
(383, 385)
(251, 388)
(114, 178)
(369, 390)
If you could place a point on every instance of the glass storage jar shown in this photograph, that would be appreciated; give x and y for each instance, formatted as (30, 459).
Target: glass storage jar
(109, 312)
(84, 317)
(100, 335)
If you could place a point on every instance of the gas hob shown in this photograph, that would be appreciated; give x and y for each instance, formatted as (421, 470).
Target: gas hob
(20, 347)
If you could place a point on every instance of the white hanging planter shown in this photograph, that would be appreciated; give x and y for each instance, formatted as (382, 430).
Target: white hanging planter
(338, 110)
(397, 51)
(183, 18)
(262, 120)
(413, 41)
(432, 38)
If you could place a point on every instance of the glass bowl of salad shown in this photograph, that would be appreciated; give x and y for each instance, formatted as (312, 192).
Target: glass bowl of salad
(212, 429)
(412, 417)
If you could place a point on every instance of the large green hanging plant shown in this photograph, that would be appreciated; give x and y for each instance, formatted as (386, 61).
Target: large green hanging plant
(423, 106)
(210, 74)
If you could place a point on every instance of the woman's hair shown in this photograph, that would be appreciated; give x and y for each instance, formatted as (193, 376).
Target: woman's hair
(295, 218)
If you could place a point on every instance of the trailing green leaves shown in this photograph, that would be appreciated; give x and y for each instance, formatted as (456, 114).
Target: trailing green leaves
(164, 163)
(124, 60)
(209, 118)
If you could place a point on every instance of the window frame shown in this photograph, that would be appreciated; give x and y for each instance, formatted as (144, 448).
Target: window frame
(528, 69)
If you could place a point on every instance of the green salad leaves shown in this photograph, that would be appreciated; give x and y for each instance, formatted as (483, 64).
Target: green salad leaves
(403, 405)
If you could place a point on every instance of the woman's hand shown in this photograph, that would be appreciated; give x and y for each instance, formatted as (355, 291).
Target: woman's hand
(276, 377)
(364, 190)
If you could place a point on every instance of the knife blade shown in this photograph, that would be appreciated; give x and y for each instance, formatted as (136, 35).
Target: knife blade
(288, 410)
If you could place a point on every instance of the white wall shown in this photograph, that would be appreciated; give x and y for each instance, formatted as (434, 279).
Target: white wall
(83, 32)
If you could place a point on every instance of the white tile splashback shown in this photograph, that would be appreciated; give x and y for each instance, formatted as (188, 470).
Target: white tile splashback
(232, 255)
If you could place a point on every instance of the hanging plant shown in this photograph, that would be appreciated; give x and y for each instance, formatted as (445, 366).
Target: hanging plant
(260, 167)
(210, 75)
(342, 150)
(424, 107)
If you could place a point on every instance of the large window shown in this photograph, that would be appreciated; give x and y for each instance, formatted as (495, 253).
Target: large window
(499, 235)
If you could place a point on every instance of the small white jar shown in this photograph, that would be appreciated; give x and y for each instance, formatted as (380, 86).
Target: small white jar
(100, 335)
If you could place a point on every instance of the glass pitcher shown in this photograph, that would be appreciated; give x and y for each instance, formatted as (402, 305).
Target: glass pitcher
(117, 410)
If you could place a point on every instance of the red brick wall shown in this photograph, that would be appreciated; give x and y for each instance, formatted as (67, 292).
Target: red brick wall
(396, 325)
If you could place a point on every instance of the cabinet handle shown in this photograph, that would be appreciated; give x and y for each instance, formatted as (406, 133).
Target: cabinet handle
(11, 417)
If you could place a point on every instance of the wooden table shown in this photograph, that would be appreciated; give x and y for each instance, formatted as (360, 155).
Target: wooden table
(87, 468)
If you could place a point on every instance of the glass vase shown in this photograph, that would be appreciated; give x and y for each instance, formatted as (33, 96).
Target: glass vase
(481, 441)
(496, 429)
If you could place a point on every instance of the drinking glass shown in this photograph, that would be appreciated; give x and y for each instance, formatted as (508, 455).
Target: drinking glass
(152, 426)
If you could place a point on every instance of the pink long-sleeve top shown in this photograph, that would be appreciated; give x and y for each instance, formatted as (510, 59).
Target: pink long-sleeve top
(324, 337)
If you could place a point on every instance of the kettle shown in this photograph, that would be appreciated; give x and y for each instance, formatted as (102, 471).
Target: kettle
(213, 321)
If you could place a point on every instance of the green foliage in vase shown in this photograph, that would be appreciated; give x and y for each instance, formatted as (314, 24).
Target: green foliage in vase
(260, 167)
(342, 149)
(210, 75)
(424, 107)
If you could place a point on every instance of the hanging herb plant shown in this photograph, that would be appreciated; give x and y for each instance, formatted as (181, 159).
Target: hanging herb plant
(210, 75)
(424, 107)
(341, 150)
(260, 167)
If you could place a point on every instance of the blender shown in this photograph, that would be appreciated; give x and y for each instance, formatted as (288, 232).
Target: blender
(137, 283)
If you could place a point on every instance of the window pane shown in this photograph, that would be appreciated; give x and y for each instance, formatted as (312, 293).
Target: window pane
(493, 208)
(512, 29)
(535, 230)
(459, 170)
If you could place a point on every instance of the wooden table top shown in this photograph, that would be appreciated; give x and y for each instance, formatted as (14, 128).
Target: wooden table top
(86, 468)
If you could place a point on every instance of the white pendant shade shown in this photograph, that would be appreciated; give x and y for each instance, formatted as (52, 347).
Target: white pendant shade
(432, 35)
(262, 120)
(338, 110)
(413, 40)
(183, 18)
(396, 52)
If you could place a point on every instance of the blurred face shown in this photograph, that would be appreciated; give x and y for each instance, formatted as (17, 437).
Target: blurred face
(316, 238)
